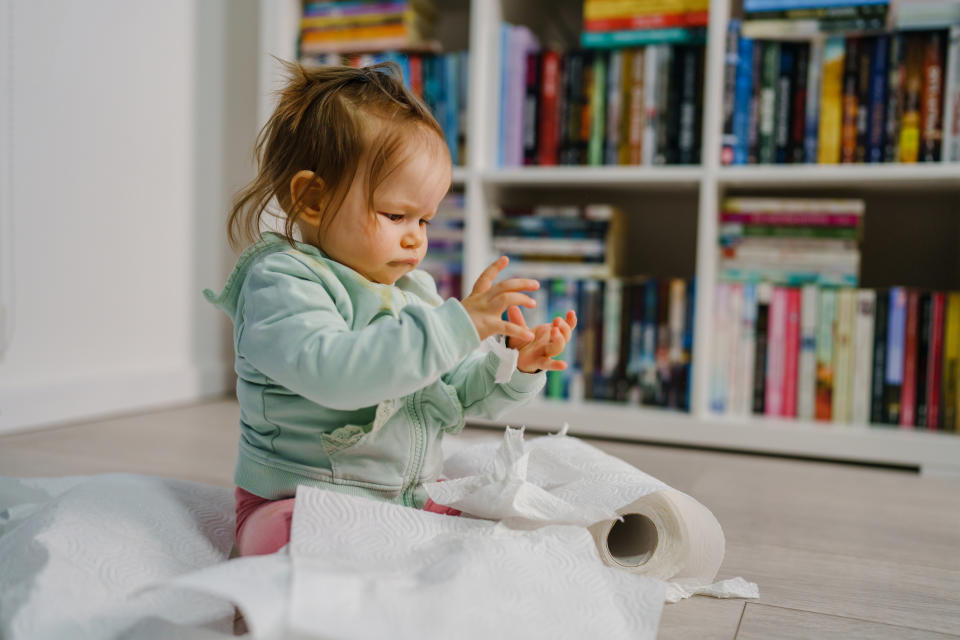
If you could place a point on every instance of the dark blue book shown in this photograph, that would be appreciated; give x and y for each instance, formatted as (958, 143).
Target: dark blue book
(731, 65)
(896, 339)
(877, 103)
(743, 91)
(784, 101)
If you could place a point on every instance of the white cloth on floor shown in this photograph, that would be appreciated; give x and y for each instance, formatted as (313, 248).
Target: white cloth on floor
(75, 551)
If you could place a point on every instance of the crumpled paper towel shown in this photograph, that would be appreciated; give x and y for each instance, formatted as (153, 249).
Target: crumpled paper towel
(639, 524)
(75, 551)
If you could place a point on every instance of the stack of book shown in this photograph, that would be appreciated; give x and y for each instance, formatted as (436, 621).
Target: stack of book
(626, 23)
(821, 81)
(631, 106)
(791, 241)
(440, 80)
(366, 25)
(857, 356)
(444, 260)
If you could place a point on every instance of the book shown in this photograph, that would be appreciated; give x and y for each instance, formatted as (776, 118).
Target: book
(614, 100)
(843, 356)
(807, 366)
(675, 391)
(935, 360)
(922, 355)
(550, 87)
(851, 94)
(860, 391)
(909, 145)
(779, 5)
(756, 91)
(951, 98)
(731, 64)
(878, 409)
(741, 107)
(531, 106)
(896, 70)
(823, 409)
(950, 378)
(637, 37)
(784, 101)
(766, 143)
(831, 101)
(598, 108)
(797, 120)
(653, 60)
(744, 370)
(896, 334)
(812, 109)
(647, 379)
(691, 84)
(791, 353)
(877, 102)
(908, 387)
(864, 76)
(667, 97)
(731, 346)
(931, 100)
(764, 296)
(776, 353)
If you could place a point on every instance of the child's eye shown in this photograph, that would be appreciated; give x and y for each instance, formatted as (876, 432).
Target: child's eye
(392, 217)
(424, 221)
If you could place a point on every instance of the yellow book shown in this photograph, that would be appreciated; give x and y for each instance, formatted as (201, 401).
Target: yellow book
(831, 105)
(396, 30)
(603, 9)
(340, 21)
(951, 363)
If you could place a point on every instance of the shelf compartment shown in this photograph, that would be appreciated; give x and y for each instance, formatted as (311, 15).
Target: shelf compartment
(930, 452)
(878, 176)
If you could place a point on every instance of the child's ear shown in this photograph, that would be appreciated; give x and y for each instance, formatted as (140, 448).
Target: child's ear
(306, 195)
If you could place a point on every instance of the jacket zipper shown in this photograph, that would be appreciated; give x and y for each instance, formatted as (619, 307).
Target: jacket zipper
(419, 436)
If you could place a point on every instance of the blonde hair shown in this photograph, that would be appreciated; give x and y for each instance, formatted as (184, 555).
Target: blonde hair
(322, 124)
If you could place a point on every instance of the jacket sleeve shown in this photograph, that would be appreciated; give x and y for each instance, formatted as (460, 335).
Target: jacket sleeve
(474, 378)
(294, 332)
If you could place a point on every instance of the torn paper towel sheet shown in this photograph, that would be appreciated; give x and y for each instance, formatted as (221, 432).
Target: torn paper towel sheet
(359, 568)
(75, 551)
(639, 524)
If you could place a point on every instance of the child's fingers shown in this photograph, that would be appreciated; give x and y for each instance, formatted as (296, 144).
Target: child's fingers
(505, 300)
(515, 284)
(515, 331)
(485, 281)
(556, 344)
(548, 364)
(571, 320)
(564, 327)
(515, 316)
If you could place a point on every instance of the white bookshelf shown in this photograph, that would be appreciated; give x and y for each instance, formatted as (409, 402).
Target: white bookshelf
(695, 192)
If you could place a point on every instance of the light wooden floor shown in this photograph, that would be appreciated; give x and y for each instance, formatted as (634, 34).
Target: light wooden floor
(838, 551)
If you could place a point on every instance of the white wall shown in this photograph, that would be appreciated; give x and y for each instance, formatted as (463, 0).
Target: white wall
(129, 125)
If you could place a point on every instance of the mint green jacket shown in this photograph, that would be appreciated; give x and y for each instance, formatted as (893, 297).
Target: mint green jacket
(348, 384)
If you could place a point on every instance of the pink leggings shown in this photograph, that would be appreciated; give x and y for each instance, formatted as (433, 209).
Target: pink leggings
(263, 526)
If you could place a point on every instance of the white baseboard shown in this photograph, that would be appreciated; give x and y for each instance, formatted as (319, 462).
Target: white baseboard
(26, 405)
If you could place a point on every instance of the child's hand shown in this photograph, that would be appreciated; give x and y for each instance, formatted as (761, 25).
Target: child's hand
(548, 342)
(487, 302)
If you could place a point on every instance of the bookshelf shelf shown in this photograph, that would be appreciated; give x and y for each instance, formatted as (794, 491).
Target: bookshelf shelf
(696, 192)
(931, 453)
(645, 177)
(877, 176)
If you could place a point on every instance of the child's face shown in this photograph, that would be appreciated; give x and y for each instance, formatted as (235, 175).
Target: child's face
(392, 241)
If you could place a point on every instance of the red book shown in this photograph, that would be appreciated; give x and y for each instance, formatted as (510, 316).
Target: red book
(908, 391)
(935, 359)
(416, 75)
(549, 101)
(649, 21)
(793, 219)
(791, 353)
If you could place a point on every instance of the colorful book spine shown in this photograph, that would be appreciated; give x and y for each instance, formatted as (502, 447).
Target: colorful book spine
(894, 111)
(797, 119)
(532, 84)
(764, 297)
(776, 353)
(878, 373)
(731, 64)
(791, 354)
(734, 313)
(825, 347)
(747, 351)
(851, 83)
(951, 99)
(951, 363)
(896, 335)
(863, 356)
(924, 318)
(876, 125)
(864, 78)
(812, 111)
(909, 146)
(831, 102)
(598, 110)
(639, 37)
(784, 101)
(741, 108)
(843, 356)
(614, 107)
(547, 152)
(807, 367)
(908, 387)
(931, 102)
(935, 360)
(653, 60)
(766, 143)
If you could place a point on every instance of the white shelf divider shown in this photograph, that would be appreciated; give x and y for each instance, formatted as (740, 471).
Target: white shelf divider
(860, 176)
(647, 177)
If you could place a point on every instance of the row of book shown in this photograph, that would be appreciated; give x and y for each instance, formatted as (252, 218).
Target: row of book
(440, 80)
(854, 356)
(627, 23)
(334, 26)
(633, 340)
(791, 241)
(830, 98)
(633, 106)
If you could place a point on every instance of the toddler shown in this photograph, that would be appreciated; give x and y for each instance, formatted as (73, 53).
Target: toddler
(350, 367)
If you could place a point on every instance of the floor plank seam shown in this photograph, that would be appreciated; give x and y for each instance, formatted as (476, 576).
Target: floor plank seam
(835, 615)
(743, 610)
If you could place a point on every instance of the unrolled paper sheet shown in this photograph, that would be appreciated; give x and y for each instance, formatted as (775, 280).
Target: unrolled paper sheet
(639, 523)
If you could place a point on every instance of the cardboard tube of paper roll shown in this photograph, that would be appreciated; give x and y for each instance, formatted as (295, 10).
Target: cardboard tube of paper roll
(666, 535)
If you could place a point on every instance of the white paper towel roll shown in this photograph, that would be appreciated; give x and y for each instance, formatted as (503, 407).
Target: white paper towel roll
(665, 534)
